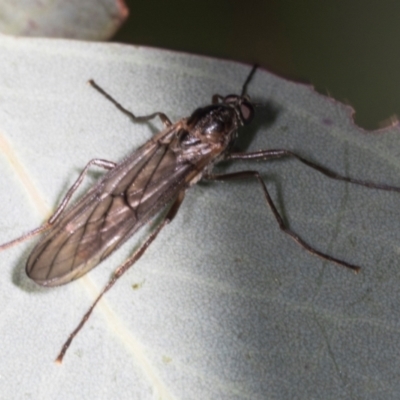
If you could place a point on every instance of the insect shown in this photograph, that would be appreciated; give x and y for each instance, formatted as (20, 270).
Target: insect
(153, 179)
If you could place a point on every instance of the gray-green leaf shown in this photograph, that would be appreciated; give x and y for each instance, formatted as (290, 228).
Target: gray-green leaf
(223, 305)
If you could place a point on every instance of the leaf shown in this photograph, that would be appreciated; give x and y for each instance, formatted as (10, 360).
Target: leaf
(86, 20)
(223, 304)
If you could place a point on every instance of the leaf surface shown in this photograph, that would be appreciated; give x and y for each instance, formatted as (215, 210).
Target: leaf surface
(73, 19)
(223, 304)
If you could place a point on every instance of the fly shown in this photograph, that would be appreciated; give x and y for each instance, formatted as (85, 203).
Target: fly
(153, 178)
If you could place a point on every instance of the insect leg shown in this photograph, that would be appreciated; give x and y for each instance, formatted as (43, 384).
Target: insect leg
(164, 119)
(278, 153)
(278, 217)
(99, 163)
(121, 270)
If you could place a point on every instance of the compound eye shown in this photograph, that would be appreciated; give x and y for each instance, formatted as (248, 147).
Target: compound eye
(246, 112)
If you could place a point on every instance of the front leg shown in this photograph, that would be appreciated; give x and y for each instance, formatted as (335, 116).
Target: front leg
(256, 175)
(281, 153)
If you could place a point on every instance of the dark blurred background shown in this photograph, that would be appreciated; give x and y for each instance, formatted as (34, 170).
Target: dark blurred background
(348, 49)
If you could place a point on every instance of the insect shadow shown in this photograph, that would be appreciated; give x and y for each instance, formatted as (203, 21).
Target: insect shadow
(19, 278)
(265, 117)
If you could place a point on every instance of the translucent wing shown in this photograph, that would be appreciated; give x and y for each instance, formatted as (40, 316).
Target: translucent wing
(113, 209)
